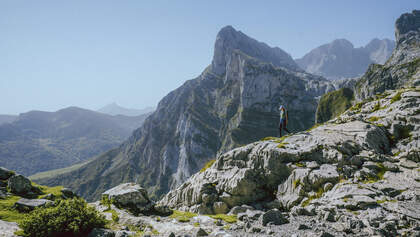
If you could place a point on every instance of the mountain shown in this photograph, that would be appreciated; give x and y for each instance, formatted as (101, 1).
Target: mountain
(354, 175)
(233, 102)
(339, 59)
(39, 141)
(115, 109)
(403, 67)
(5, 118)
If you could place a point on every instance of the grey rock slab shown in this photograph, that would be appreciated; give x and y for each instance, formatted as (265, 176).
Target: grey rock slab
(326, 173)
(24, 204)
(410, 209)
(7, 229)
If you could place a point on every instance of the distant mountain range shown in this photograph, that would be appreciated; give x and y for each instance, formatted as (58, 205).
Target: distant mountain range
(115, 109)
(339, 59)
(39, 141)
(5, 118)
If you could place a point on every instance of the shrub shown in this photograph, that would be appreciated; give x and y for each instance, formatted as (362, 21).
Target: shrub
(66, 218)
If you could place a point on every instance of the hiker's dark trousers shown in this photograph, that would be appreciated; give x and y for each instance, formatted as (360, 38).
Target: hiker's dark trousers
(282, 125)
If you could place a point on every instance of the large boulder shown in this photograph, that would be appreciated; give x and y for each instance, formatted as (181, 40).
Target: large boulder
(68, 193)
(273, 216)
(25, 205)
(129, 196)
(5, 173)
(19, 184)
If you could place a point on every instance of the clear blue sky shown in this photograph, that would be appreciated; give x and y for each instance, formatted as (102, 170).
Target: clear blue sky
(55, 54)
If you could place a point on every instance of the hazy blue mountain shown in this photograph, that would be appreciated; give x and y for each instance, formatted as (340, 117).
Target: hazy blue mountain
(39, 141)
(115, 109)
(340, 59)
(6, 118)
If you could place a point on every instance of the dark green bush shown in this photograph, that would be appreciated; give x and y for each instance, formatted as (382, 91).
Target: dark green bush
(66, 218)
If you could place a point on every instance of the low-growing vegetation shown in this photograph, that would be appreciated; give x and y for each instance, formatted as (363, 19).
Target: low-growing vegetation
(224, 217)
(207, 165)
(182, 216)
(7, 211)
(396, 97)
(333, 104)
(373, 119)
(317, 195)
(72, 217)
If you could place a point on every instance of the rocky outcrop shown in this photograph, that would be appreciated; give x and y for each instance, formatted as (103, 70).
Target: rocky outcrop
(129, 196)
(339, 59)
(233, 102)
(362, 162)
(403, 67)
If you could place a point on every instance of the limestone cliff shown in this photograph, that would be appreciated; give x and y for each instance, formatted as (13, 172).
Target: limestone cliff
(403, 67)
(233, 102)
(361, 167)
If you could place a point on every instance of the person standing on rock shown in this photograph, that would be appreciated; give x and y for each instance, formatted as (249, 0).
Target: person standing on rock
(283, 120)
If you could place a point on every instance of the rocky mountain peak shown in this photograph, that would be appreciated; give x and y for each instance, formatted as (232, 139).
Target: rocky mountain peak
(342, 43)
(406, 23)
(228, 40)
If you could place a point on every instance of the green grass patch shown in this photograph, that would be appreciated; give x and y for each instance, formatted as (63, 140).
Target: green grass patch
(356, 213)
(300, 164)
(182, 216)
(207, 165)
(56, 190)
(396, 97)
(224, 217)
(282, 145)
(7, 212)
(357, 107)
(373, 119)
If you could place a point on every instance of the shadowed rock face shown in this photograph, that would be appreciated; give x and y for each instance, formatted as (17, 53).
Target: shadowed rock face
(403, 67)
(339, 59)
(233, 102)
